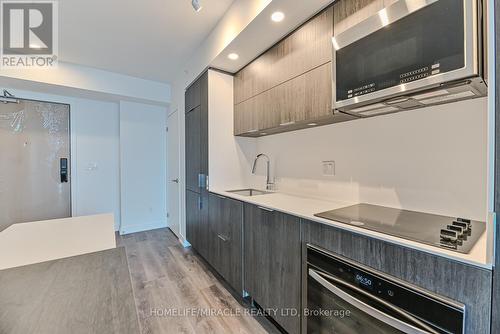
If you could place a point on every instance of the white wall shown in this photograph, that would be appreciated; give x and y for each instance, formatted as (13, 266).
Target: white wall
(143, 167)
(230, 158)
(95, 129)
(432, 160)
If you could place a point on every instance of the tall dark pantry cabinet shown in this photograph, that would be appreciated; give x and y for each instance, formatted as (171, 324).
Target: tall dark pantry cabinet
(196, 98)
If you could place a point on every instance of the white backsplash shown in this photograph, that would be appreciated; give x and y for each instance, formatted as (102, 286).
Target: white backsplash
(432, 159)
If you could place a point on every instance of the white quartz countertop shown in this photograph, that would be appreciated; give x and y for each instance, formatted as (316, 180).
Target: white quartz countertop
(29, 243)
(305, 208)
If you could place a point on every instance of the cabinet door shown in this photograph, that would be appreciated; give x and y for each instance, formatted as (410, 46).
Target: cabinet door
(304, 49)
(193, 218)
(348, 13)
(193, 96)
(203, 227)
(193, 149)
(272, 262)
(246, 118)
(226, 224)
(307, 97)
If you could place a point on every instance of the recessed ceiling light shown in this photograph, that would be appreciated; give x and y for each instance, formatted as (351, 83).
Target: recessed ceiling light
(196, 5)
(233, 56)
(278, 16)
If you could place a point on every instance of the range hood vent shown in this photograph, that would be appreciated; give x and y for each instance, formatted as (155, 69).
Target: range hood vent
(451, 92)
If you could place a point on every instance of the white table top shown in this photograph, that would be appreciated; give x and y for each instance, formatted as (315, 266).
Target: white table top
(28, 243)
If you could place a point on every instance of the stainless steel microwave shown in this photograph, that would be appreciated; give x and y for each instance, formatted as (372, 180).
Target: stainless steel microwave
(411, 54)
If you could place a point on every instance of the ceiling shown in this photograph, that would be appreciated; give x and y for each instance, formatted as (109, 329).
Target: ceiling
(148, 39)
(263, 33)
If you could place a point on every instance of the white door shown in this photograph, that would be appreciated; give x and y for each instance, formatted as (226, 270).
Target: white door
(173, 159)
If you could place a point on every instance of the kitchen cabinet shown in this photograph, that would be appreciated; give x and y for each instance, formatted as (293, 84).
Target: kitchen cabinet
(193, 96)
(348, 13)
(246, 120)
(225, 237)
(303, 50)
(289, 86)
(272, 258)
(304, 98)
(193, 154)
(196, 119)
(193, 217)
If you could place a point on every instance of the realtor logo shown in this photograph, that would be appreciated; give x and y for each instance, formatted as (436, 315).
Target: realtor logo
(29, 34)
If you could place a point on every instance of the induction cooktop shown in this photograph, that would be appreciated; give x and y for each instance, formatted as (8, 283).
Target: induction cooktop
(456, 234)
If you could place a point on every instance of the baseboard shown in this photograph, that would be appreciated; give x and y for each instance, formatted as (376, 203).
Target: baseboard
(183, 241)
(141, 228)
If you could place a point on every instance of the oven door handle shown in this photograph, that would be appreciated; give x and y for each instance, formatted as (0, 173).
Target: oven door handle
(323, 279)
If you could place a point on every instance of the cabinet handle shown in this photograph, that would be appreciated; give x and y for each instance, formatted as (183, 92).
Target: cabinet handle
(265, 209)
(203, 181)
(221, 237)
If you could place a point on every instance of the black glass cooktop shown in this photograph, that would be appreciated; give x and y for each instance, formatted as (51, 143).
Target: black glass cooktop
(453, 233)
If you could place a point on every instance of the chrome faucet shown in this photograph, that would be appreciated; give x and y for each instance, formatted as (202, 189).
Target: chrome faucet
(269, 184)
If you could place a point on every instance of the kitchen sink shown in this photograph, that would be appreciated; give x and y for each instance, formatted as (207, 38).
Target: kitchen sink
(249, 192)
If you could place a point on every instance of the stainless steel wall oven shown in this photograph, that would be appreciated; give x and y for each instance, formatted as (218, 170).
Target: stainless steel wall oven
(344, 297)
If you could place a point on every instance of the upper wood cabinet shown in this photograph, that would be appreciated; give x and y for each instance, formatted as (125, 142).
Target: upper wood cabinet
(289, 87)
(306, 48)
(306, 97)
(348, 13)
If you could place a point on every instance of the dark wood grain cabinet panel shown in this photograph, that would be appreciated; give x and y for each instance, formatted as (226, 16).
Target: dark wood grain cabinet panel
(226, 244)
(193, 217)
(193, 96)
(272, 257)
(193, 149)
(196, 120)
(464, 283)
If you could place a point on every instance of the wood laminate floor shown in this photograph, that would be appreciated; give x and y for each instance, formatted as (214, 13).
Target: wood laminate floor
(175, 291)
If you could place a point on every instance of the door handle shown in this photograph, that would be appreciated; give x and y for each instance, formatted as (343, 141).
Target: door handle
(265, 209)
(413, 326)
(223, 238)
(175, 180)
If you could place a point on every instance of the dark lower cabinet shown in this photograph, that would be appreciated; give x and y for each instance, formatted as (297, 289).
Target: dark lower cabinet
(272, 257)
(192, 217)
(197, 222)
(226, 229)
